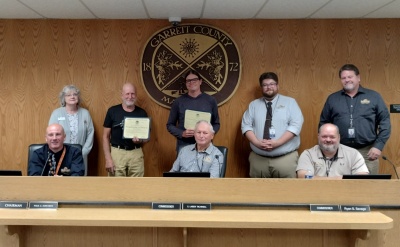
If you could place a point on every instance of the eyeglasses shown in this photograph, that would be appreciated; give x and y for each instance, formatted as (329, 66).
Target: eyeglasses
(269, 85)
(192, 80)
(70, 95)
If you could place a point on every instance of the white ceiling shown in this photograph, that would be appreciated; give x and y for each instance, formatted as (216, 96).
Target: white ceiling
(198, 9)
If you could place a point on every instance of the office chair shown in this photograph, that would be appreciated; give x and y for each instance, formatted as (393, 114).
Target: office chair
(33, 147)
(224, 151)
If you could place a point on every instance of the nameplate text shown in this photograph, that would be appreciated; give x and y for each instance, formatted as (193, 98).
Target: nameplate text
(168, 206)
(13, 205)
(355, 208)
(43, 205)
(196, 206)
(324, 208)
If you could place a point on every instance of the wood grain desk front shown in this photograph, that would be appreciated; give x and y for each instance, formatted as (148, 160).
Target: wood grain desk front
(218, 218)
(235, 226)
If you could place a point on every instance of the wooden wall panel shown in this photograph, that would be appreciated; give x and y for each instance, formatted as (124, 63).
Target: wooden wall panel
(39, 57)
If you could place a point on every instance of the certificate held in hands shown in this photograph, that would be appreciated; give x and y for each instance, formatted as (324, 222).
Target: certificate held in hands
(136, 127)
(192, 117)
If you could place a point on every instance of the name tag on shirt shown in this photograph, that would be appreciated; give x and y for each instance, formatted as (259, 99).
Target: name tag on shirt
(61, 119)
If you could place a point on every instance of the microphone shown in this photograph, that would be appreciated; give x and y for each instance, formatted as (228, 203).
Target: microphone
(219, 165)
(394, 167)
(45, 163)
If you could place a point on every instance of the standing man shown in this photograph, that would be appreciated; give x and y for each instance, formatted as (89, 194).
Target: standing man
(272, 124)
(124, 157)
(194, 100)
(56, 158)
(361, 115)
(330, 159)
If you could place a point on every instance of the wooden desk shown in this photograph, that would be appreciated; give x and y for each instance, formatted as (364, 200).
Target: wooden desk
(133, 226)
(225, 218)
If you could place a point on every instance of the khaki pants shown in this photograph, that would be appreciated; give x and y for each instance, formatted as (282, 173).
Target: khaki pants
(280, 167)
(128, 163)
(373, 165)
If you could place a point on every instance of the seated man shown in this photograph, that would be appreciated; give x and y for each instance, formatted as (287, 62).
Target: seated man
(202, 156)
(330, 159)
(56, 158)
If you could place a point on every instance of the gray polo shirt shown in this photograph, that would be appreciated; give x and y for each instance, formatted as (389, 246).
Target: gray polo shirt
(190, 160)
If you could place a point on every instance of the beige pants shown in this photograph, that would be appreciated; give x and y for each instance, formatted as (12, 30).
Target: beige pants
(373, 165)
(280, 167)
(127, 163)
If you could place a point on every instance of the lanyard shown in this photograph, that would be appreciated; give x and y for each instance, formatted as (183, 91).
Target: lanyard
(60, 161)
(351, 107)
(201, 156)
(329, 162)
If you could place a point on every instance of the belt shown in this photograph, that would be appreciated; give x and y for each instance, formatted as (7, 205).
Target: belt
(125, 147)
(276, 156)
(357, 146)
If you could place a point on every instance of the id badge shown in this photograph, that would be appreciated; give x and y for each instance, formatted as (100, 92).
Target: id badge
(351, 133)
(271, 132)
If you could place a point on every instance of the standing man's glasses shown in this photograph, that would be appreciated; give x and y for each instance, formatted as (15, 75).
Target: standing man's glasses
(273, 84)
(192, 80)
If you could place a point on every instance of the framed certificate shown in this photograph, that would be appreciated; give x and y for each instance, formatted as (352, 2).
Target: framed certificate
(192, 117)
(136, 127)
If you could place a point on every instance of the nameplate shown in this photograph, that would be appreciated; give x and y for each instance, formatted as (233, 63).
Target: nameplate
(395, 108)
(43, 205)
(13, 205)
(196, 206)
(324, 208)
(168, 206)
(355, 208)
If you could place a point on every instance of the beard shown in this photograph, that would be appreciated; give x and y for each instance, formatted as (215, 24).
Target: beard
(349, 87)
(129, 102)
(270, 94)
(329, 147)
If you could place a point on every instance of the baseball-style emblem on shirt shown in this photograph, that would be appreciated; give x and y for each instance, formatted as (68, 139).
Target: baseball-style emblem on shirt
(172, 51)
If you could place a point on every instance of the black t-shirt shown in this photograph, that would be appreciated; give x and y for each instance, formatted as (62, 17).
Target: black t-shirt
(115, 116)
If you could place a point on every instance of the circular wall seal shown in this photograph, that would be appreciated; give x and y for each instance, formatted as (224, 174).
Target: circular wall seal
(172, 51)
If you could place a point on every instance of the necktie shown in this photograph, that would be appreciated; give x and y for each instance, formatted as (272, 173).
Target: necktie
(268, 121)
